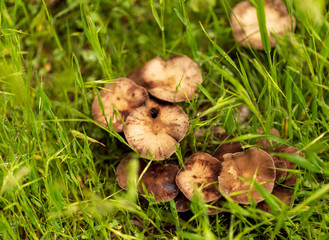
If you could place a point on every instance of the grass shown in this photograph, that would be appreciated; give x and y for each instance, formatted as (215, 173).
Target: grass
(58, 182)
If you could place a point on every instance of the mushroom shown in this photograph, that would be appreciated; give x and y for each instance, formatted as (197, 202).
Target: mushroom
(245, 23)
(201, 171)
(225, 148)
(291, 178)
(282, 193)
(214, 207)
(157, 128)
(159, 180)
(122, 170)
(124, 95)
(254, 163)
(264, 142)
(182, 203)
(173, 80)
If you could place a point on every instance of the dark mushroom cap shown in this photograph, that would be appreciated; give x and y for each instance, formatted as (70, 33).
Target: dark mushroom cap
(264, 142)
(282, 193)
(122, 170)
(173, 80)
(245, 23)
(214, 209)
(125, 95)
(280, 165)
(182, 203)
(156, 127)
(201, 171)
(225, 148)
(244, 165)
(159, 180)
(291, 178)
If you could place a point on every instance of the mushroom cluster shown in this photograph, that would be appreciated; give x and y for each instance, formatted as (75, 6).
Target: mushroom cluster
(152, 127)
(234, 174)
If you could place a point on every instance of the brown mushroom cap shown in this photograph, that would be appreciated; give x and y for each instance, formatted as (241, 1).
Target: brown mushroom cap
(173, 80)
(291, 178)
(225, 148)
(214, 209)
(245, 23)
(264, 142)
(125, 95)
(200, 170)
(156, 127)
(182, 203)
(244, 165)
(282, 193)
(279, 164)
(122, 170)
(159, 180)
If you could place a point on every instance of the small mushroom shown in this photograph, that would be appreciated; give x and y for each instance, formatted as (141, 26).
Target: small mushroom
(159, 180)
(182, 203)
(225, 148)
(282, 193)
(157, 128)
(245, 165)
(123, 94)
(245, 23)
(280, 165)
(264, 142)
(173, 80)
(122, 170)
(291, 178)
(201, 171)
(215, 206)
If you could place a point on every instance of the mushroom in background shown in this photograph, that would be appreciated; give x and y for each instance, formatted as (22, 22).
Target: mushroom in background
(264, 142)
(122, 170)
(123, 94)
(283, 194)
(291, 177)
(173, 80)
(245, 165)
(245, 23)
(159, 180)
(182, 203)
(157, 128)
(201, 171)
(225, 148)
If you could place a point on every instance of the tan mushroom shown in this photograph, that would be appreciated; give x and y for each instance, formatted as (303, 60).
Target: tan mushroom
(122, 170)
(282, 193)
(124, 95)
(247, 165)
(245, 23)
(173, 80)
(159, 180)
(199, 171)
(157, 128)
(291, 177)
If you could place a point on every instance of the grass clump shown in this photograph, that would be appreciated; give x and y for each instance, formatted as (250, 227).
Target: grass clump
(57, 181)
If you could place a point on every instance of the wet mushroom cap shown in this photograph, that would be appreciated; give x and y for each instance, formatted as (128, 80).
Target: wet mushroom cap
(122, 170)
(157, 128)
(245, 23)
(282, 193)
(199, 171)
(124, 95)
(159, 180)
(173, 80)
(245, 165)
(291, 177)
